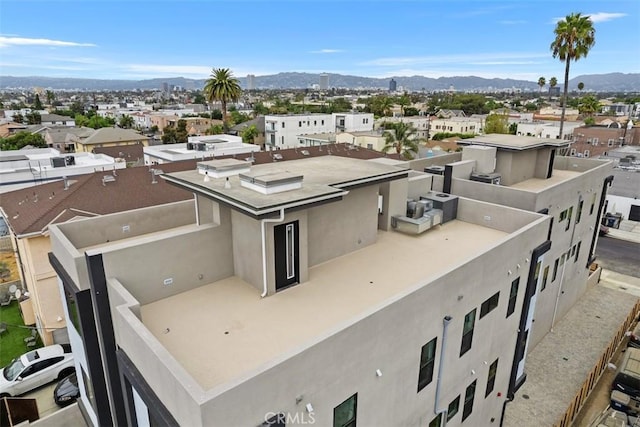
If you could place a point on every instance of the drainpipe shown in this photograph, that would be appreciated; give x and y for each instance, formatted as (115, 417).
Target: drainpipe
(445, 326)
(264, 249)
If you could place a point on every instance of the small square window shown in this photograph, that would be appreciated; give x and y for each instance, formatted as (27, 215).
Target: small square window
(489, 304)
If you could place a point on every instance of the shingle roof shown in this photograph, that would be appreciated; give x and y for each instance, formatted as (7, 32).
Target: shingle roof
(130, 153)
(110, 134)
(54, 118)
(132, 189)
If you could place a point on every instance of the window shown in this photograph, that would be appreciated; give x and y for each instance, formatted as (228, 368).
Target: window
(550, 229)
(577, 252)
(563, 215)
(437, 421)
(545, 276)
(491, 379)
(595, 141)
(299, 124)
(579, 213)
(315, 123)
(468, 400)
(573, 250)
(322, 122)
(278, 420)
(555, 269)
(344, 415)
(282, 125)
(489, 305)
(427, 362)
(610, 142)
(586, 153)
(467, 331)
(513, 296)
(569, 213)
(593, 203)
(453, 408)
(573, 152)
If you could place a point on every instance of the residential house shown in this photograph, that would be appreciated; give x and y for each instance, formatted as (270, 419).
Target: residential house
(548, 129)
(57, 120)
(199, 147)
(599, 140)
(110, 137)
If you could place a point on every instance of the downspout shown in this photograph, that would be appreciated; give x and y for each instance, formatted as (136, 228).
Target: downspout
(264, 249)
(445, 325)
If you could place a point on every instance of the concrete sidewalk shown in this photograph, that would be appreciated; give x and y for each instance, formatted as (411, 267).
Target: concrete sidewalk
(557, 367)
(629, 231)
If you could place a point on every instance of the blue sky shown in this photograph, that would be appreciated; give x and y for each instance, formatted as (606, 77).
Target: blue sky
(138, 39)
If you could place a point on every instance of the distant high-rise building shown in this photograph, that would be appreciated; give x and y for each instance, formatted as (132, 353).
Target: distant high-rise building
(251, 81)
(393, 85)
(324, 81)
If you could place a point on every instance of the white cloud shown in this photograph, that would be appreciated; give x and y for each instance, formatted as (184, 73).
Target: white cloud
(597, 17)
(327, 51)
(604, 16)
(23, 41)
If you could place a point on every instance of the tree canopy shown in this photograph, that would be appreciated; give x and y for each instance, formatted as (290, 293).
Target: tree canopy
(574, 38)
(402, 138)
(22, 139)
(222, 87)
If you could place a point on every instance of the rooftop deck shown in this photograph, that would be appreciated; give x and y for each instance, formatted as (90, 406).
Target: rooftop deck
(538, 184)
(224, 330)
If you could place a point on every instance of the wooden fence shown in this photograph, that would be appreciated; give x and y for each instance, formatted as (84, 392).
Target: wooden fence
(596, 372)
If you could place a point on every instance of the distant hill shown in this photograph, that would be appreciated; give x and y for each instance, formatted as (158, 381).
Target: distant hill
(612, 82)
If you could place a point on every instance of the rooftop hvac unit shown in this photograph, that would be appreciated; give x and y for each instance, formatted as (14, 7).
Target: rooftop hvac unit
(58, 162)
(487, 178)
(190, 145)
(448, 203)
(69, 160)
(200, 147)
(436, 170)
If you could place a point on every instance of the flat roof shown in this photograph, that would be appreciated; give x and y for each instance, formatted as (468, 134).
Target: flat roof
(245, 332)
(513, 142)
(324, 178)
(538, 184)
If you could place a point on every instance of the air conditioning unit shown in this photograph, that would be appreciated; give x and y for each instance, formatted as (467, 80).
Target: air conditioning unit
(58, 162)
(70, 160)
(190, 146)
(435, 170)
(487, 178)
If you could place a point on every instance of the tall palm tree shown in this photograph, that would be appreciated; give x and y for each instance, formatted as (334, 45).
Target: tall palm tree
(580, 86)
(541, 82)
(575, 36)
(223, 87)
(553, 82)
(402, 138)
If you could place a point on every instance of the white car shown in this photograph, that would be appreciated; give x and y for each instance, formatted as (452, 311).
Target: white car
(36, 368)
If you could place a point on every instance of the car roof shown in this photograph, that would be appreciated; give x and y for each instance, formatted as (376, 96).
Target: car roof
(42, 353)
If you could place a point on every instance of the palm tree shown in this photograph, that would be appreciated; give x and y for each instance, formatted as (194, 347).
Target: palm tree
(50, 97)
(541, 82)
(126, 121)
(589, 105)
(402, 138)
(580, 86)
(403, 101)
(553, 82)
(249, 134)
(223, 87)
(575, 36)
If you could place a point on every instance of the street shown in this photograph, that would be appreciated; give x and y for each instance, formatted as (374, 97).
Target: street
(618, 255)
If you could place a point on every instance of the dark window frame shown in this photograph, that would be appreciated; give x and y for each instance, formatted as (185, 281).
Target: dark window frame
(453, 408)
(489, 304)
(469, 397)
(513, 296)
(545, 277)
(351, 422)
(427, 363)
(467, 332)
(491, 377)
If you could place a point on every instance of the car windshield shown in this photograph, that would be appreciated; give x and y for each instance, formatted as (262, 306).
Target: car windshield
(13, 369)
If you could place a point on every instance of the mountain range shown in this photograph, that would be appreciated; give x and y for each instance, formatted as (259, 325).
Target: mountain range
(612, 82)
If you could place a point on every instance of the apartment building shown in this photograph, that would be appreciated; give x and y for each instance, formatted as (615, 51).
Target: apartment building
(421, 123)
(548, 129)
(307, 292)
(599, 140)
(199, 147)
(525, 173)
(282, 131)
(473, 125)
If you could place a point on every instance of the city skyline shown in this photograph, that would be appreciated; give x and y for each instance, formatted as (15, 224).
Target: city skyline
(142, 39)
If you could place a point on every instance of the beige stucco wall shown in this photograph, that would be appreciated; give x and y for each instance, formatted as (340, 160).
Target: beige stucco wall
(394, 201)
(341, 227)
(42, 284)
(190, 256)
(390, 340)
